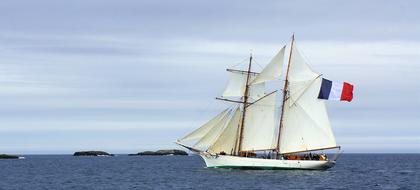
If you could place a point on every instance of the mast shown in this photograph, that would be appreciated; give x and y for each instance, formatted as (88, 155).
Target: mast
(245, 102)
(284, 94)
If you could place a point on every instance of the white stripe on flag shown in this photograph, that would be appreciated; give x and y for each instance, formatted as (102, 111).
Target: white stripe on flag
(336, 89)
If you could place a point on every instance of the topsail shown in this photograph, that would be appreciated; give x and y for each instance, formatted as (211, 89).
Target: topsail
(237, 84)
(273, 70)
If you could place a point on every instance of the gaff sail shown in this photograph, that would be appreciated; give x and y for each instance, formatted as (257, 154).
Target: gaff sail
(305, 120)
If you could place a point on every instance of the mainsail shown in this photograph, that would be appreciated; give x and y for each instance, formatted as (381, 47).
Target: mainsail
(260, 124)
(305, 120)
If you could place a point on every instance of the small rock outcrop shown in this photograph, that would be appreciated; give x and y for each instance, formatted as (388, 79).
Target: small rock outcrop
(172, 152)
(92, 153)
(7, 156)
(161, 153)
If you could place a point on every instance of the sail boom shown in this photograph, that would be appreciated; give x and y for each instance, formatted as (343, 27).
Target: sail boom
(326, 148)
(229, 100)
(187, 147)
(261, 98)
(242, 72)
(258, 150)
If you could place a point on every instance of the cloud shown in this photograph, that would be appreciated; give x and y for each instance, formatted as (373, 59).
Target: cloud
(122, 67)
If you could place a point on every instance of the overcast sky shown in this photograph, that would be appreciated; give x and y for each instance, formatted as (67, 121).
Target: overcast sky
(124, 76)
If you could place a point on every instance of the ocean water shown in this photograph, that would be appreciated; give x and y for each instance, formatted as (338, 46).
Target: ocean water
(353, 171)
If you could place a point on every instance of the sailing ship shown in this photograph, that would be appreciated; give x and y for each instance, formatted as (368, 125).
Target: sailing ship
(253, 135)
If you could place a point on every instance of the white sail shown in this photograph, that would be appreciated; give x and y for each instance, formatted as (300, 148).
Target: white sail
(273, 70)
(212, 135)
(236, 86)
(203, 130)
(260, 124)
(228, 139)
(257, 91)
(305, 120)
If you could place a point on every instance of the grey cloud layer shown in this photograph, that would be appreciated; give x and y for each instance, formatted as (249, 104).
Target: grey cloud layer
(140, 67)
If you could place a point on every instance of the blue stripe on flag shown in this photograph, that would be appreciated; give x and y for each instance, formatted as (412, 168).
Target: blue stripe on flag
(325, 90)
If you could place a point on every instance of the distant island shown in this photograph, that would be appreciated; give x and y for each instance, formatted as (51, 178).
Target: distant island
(7, 156)
(161, 153)
(92, 153)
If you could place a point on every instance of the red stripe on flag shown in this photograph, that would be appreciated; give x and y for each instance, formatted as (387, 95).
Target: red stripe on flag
(347, 93)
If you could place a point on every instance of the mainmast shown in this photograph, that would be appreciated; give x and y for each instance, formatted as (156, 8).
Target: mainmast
(286, 83)
(245, 102)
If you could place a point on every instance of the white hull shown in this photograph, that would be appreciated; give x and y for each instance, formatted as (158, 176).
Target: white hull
(225, 161)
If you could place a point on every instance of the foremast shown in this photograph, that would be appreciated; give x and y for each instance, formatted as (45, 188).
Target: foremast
(244, 103)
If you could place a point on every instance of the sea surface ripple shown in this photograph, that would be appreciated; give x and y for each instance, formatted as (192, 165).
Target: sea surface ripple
(353, 171)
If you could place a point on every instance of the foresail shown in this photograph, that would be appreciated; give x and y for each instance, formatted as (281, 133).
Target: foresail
(305, 120)
(203, 130)
(212, 135)
(228, 139)
(236, 86)
(260, 125)
(273, 70)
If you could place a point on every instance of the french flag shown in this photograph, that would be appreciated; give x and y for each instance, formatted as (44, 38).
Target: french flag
(331, 90)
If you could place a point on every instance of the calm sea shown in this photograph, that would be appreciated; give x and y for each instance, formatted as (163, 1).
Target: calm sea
(353, 171)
